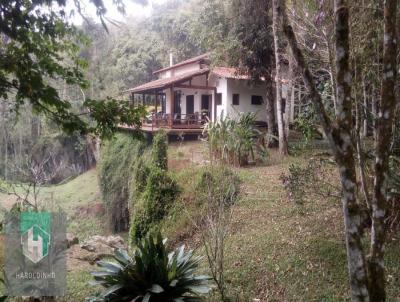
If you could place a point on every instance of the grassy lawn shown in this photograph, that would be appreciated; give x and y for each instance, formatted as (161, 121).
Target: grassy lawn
(280, 251)
(76, 197)
(276, 250)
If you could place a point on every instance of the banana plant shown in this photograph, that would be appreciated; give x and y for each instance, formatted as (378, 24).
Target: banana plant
(234, 140)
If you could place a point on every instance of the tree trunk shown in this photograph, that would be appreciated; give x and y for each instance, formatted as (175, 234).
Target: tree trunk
(374, 110)
(292, 102)
(280, 105)
(383, 136)
(365, 111)
(272, 131)
(345, 157)
(6, 158)
(289, 98)
(332, 73)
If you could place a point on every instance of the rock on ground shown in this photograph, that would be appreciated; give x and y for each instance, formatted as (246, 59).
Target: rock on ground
(94, 249)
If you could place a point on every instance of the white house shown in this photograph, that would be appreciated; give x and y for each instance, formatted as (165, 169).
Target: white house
(188, 93)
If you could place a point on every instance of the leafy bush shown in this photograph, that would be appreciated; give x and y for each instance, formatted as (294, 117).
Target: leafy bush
(118, 157)
(393, 216)
(2, 297)
(217, 190)
(314, 179)
(308, 131)
(159, 150)
(151, 275)
(160, 193)
(217, 183)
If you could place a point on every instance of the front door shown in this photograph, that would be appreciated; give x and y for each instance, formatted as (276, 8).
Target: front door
(189, 104)
(206, 104)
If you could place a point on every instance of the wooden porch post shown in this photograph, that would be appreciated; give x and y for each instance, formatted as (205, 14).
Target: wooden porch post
(156, 96)
(172, 100)
(214, 107)
(156, 113)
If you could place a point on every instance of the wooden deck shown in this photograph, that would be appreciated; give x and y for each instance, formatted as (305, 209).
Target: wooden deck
(190, 124)
(175, 130)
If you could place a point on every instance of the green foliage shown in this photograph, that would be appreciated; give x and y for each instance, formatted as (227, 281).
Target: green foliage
(294, 182)
(250, 46)
(159, 152)
(151, 274)
(3, 298)
(307, 129)
(159, 194)
(174, 22)
(137, 191)
(140, 174)
(235, 141)
(41, 48)
(118, 157)
(110, 113)
(139, 178)
(128, 55)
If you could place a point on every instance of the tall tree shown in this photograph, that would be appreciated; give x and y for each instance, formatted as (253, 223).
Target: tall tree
(367, 281)
(252, 50)
(278, 46)
(384, 124)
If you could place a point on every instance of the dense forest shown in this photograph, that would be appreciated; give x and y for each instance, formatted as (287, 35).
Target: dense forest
(256, 201)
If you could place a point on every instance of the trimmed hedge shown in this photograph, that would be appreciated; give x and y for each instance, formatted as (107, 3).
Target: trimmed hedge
(160, 193)
(159, 152)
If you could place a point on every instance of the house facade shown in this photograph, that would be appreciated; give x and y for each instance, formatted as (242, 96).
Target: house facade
(188, 94)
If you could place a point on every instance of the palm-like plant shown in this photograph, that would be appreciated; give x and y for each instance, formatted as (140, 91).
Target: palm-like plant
(152, 274)
(233, 140)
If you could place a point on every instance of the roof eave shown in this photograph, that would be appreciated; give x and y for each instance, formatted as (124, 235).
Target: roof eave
(201, 58)
(167, 85)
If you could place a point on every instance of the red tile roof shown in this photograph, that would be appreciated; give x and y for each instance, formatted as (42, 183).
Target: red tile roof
(164, 83)
(230, 73)
(186, 62)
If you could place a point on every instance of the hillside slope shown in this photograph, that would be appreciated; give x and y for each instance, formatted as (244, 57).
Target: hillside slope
(277, 250)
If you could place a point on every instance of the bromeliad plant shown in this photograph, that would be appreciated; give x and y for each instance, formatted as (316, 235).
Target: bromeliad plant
(3, 297)
(151, 275)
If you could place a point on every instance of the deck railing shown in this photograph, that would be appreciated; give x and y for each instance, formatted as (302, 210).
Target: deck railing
(177, 120)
